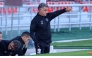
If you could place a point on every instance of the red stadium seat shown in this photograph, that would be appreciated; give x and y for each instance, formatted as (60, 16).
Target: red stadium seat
(90, 2)
(33, 10)
(4, 11)
(15, 10)
(50, 9)
(85, 9)
(69, 2)
(59, 2)
(9, 10)
(57, 8)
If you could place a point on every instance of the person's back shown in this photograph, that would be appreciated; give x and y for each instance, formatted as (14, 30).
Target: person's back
(19, 39)
(22, 39)
(3, 47)
(20, 52)
(7, 48)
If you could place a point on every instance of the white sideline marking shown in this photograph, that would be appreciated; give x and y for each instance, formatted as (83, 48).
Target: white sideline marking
(72, 40)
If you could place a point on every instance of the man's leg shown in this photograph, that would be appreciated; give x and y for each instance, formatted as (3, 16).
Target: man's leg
(47, 49)
(42, 49)
(36, 48)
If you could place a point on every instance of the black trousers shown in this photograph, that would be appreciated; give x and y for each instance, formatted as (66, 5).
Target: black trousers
(44, 48)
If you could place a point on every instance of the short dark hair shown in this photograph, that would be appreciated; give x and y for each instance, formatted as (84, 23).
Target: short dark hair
(0, 32)
(17, 44)
(25, 34)
(41, 5)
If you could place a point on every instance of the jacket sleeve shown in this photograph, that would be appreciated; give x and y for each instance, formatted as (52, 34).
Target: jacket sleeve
(33, 30)
(0, 53)
(1, 49)
(52, 15)
(21, 51)
(3, 44)
(24, 50)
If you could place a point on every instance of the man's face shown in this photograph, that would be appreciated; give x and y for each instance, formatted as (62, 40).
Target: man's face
(26, 39)
(11, 46)
(43, 11)
(0, 37)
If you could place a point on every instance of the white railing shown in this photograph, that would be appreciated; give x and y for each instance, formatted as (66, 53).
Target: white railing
(56, 22)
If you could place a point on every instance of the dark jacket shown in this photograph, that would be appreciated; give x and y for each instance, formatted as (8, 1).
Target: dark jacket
(4, 48)
(40, 27)
(22, 50)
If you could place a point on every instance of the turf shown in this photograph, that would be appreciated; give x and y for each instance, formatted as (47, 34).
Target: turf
(75, 43)
(75, 33)
(86, 44)
(75, 53)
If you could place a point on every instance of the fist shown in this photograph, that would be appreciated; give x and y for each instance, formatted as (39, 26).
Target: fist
(68, 9)
(26, 44)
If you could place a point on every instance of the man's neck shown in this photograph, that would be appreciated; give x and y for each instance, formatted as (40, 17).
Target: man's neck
(40, 14)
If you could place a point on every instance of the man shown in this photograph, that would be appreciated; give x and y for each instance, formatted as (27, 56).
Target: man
(40, 27)
(7, 48)
(0, 36)
(23, 39)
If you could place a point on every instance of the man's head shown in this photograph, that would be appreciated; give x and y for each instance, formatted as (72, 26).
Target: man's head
(0, 36)
(14, 45)
(25, 36)
(43, 9)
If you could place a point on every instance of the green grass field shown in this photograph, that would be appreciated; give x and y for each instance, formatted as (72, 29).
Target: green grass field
(77, 44)
(75, 33)
(74, 43)
(75, 53)
(86, 44)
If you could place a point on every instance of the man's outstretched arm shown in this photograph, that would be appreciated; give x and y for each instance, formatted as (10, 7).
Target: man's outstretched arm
(52, 15)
